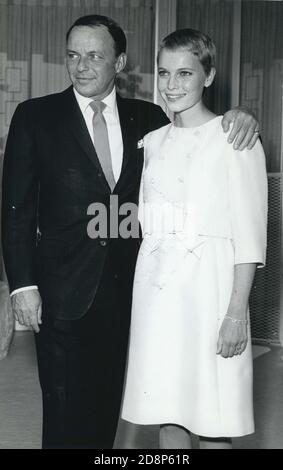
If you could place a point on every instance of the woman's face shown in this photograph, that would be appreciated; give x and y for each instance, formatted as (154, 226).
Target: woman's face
(181, 79)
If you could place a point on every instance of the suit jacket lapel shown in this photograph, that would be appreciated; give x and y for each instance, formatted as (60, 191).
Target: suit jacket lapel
(77, 125)
(76, 122)
(127, 123)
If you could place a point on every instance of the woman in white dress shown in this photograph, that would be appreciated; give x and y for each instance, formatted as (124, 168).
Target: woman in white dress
(203, 210)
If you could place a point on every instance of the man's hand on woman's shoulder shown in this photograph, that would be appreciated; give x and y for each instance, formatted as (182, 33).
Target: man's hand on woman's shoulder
(245, 127)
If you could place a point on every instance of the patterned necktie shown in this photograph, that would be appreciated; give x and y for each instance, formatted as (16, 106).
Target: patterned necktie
(101, 142)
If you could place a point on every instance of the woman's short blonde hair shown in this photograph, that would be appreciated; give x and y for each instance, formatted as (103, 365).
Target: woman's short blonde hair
(194, 41)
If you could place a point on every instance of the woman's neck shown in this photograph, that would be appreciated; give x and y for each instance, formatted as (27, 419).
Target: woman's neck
(194, 117)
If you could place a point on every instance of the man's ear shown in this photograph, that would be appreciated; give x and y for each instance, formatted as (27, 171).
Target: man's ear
(121, 62)
(210, 77)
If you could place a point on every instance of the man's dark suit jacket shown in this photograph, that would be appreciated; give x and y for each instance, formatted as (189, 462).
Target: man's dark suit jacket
(51, 175)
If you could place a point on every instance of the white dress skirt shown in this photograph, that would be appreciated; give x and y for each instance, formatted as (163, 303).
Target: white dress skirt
(203, 210)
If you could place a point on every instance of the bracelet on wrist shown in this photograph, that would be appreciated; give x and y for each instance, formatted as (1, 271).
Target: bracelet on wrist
(236, 320)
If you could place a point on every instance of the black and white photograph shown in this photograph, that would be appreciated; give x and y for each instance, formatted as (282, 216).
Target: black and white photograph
(141, 178)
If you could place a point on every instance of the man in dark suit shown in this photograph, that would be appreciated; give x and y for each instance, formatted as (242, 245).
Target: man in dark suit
(55, 167)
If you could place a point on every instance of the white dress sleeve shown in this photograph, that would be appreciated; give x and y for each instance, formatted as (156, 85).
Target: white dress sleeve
(248, 203)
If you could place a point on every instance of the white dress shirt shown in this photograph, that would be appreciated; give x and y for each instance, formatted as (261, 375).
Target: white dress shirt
(111, 116)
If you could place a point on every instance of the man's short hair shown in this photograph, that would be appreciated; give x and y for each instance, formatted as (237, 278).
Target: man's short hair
(195, 42)
(114, 29)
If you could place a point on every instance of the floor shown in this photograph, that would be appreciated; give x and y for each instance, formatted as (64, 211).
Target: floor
(20, 403)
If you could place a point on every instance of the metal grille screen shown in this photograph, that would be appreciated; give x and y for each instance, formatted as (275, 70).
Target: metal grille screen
(265, 294)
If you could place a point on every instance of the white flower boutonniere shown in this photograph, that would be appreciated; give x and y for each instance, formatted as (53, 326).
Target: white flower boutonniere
(140, 144)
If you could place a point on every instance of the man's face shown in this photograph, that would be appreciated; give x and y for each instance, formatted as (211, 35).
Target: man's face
(91, 61)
